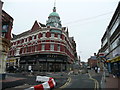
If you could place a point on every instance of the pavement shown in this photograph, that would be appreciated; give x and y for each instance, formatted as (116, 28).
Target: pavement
(13, 81)
(112, 83)
(107, 82)
(21, 81)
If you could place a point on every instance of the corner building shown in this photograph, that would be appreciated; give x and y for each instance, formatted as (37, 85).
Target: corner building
(46, 48)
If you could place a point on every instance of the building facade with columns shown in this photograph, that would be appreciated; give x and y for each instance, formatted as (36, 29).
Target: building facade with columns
(44, 48)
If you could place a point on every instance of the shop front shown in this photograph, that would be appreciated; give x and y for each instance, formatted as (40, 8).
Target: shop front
(44, 63)
(114, 65)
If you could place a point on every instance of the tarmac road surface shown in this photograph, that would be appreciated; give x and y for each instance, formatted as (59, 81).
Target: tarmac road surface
(80, 81)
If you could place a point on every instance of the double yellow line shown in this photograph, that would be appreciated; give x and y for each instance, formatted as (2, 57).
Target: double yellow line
(96, 82)
(90, 77)
(68, 81)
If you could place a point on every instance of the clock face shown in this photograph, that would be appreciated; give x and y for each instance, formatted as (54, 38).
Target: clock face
(56, 24)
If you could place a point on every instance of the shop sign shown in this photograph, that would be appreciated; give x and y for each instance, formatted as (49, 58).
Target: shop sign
(11, 60)
(101, 55)
(116, 59)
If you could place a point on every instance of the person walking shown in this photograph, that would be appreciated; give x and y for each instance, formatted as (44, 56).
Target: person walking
(96, 69)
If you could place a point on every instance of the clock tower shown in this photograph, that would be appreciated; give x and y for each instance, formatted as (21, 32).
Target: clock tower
(54, 19)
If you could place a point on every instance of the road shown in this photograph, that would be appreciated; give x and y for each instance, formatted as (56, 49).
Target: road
(87, 81)
(29, 81)
(80, 81)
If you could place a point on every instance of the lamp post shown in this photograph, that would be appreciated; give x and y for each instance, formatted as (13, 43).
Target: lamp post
(103, 59)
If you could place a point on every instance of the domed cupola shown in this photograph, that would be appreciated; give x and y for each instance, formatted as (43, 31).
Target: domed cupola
(54, 14)
(54, 19)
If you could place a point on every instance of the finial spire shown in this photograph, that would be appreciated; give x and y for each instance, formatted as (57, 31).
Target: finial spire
(54, 3)
(54, 8)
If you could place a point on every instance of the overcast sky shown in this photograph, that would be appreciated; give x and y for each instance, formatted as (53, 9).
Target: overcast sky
(86, 20)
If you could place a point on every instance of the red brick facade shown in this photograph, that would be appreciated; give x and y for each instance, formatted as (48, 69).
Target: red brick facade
(41, 41)
(92, 62)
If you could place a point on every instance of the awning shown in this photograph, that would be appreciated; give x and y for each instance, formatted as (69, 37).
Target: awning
(116, 59)
(11, 60)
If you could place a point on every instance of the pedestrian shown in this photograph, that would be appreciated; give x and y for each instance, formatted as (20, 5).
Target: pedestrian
(114, 72)
(98, 70)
